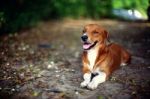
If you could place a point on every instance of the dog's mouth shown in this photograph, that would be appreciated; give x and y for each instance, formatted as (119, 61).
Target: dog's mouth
(88, 45)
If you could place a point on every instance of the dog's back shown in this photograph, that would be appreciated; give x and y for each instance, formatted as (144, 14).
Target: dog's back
(122, 53)
(116, 56)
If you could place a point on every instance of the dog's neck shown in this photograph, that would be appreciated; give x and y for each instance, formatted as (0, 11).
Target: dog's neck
(93, 54)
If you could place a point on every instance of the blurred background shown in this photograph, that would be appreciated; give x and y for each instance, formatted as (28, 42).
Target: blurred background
(40, 48)
(18, 14)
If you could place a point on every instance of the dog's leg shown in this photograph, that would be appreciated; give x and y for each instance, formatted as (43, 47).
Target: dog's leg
(87, 78)
(100, 78)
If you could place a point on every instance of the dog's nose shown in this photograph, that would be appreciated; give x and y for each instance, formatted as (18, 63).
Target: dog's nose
(84, 37)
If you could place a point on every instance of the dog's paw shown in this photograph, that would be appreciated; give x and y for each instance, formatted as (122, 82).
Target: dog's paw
(84, 84)
(92, 85)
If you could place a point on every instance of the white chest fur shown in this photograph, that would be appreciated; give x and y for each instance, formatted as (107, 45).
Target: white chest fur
(92, 54)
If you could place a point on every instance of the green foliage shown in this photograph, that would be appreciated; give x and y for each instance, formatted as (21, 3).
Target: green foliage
(18, 14)
(140, 5)
(22, 13)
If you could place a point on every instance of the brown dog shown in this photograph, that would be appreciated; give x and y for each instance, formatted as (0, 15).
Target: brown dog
(99, 58)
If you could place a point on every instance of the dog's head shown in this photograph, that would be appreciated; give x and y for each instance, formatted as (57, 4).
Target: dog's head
(93, 35)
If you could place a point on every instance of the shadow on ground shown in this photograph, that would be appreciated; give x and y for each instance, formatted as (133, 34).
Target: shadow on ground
(44, 62)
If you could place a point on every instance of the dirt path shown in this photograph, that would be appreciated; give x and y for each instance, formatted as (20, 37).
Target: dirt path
(44, 62)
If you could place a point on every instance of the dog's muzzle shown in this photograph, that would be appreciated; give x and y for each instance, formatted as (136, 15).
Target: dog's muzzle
(86, 44)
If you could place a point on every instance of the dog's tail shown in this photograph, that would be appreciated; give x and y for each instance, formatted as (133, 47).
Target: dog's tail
(126, 57)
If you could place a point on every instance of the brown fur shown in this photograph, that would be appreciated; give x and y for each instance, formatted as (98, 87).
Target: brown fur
(109, 57)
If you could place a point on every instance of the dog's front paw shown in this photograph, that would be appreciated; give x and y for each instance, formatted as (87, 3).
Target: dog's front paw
(84, 84)
(92, 85)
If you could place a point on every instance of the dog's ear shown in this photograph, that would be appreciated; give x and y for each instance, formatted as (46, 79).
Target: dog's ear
(106, 36)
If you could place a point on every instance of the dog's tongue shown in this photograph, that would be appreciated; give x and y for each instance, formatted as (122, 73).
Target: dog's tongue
(86, 46)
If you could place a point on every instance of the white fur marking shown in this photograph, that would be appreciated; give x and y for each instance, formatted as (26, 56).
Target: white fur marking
(123, 64)
(87, 78)
(100, 78)
(84, 34)
(92, 54)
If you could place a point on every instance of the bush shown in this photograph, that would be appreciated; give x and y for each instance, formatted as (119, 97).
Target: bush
(18, 14)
